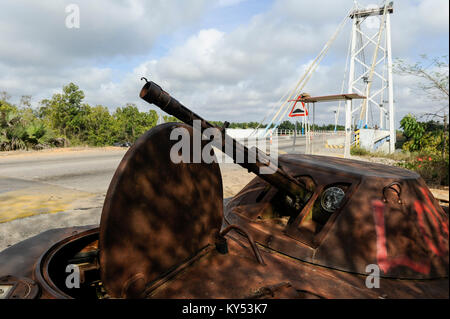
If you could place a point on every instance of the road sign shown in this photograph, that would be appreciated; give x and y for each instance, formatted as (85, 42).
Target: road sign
(299, 111)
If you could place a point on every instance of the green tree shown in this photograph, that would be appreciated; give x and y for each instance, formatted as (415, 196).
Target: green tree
(130, 123)
(423, 137)
(19, 128)
(170, 118)
(99, 126)
(414, 132)
(286, 125)
(434, 82)
(65, 111)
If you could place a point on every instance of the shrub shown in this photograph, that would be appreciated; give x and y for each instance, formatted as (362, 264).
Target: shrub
(433, 169)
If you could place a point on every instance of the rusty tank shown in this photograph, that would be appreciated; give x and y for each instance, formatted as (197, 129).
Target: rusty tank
(309, 227)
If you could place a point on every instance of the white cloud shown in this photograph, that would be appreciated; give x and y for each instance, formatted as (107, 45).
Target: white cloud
(228, 3)
(414, 26)
(39, 54)
(35, 31)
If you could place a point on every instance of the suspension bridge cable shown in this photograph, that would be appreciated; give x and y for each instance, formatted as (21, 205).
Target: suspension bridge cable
(313, 67)
(345, 77)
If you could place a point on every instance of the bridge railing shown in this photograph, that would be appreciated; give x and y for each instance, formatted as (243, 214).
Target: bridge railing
(280, 132)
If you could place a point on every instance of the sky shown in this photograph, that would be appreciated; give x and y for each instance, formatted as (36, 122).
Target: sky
(225, 59)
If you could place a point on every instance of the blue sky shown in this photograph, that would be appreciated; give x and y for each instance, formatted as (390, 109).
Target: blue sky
(226, 59)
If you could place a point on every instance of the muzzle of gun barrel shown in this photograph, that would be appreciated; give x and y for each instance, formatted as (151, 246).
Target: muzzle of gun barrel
(154, 94)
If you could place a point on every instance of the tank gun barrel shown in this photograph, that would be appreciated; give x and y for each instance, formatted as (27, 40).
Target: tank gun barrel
(297, 190)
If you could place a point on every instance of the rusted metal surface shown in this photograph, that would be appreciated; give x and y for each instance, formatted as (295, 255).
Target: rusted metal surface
(255, 249)
(388, 217)
(239, 275)
(156, 213)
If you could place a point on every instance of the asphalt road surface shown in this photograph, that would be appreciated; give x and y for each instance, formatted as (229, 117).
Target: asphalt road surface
(88, 171)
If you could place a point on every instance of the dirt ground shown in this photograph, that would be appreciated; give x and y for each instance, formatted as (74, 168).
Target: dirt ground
(63, 150)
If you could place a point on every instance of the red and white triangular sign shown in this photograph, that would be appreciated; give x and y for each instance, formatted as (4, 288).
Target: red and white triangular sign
(299, 111)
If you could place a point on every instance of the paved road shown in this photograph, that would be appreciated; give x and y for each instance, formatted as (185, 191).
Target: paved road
(88, 171)
(317, 145)
(32, 184)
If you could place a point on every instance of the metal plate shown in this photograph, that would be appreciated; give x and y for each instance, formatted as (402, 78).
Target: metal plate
(18, 288)
(156, 214)
(5, 291)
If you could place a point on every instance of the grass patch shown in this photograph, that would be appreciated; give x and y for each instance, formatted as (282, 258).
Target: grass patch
(358, 151)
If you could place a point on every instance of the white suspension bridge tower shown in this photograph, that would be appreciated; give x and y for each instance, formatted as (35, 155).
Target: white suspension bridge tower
(369, 75)
(371, 38)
